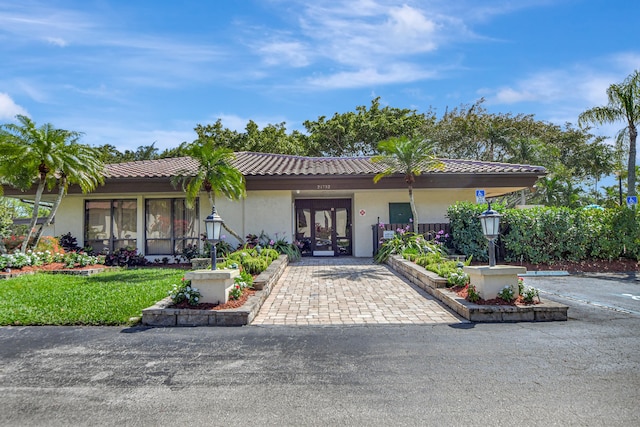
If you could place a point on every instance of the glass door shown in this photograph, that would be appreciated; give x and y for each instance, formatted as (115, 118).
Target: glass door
(323, 237)
(323, 227)
(343, 231)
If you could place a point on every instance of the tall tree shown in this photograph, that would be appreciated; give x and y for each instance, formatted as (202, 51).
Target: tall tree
(623, 104)
(38, 153)
(358, 133)
(215, 175)
(409, 157)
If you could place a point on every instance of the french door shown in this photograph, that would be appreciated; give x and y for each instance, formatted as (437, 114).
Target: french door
(323, 226)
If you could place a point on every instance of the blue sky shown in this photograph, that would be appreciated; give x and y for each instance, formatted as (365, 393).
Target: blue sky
(131, 73)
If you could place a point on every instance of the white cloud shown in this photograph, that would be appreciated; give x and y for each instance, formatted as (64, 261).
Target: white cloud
(125, 137)
(290, 53)
(627, 60)
(576, 87)
(543, 87)
(58, 41)
(43, 23)
(371, 77)
(9, 109)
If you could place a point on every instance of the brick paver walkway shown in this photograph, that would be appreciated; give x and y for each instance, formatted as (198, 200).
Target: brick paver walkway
(347, 291)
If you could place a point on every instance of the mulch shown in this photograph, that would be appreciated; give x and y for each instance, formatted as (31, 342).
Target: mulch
(209, 306)
(462, 292)
(54, 266)
(622, 265)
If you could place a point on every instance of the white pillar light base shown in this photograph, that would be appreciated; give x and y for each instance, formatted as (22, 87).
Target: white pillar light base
(491, 280)
(214, 285)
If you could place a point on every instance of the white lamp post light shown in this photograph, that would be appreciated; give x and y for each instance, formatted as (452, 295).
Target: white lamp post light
(213, 224)
(490, 221)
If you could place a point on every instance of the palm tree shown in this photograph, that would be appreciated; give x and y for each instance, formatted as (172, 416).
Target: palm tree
(38, 153)
(409, 157)
(82, 167)
(215, 175)
(624, 104)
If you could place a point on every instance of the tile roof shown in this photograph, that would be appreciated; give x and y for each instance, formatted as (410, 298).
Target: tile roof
(160, 168)
(265, 164)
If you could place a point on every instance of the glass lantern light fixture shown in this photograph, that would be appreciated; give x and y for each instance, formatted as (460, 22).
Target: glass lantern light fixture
(490, 221)
(213, 224)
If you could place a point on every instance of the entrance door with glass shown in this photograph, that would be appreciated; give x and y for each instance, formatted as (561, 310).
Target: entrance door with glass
(323, 226)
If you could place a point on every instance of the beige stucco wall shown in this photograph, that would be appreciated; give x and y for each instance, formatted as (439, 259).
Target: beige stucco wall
(69, 218)
(431, 204)
(272, 212)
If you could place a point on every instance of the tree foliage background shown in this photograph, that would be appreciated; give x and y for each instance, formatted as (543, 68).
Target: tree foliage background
(576, 160)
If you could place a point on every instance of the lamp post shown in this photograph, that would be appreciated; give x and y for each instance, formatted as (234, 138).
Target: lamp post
(490, 221)
(213, 224)
(619, 175)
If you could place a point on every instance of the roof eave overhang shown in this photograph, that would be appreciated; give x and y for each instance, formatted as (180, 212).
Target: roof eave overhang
(148, 185)
(365, 182)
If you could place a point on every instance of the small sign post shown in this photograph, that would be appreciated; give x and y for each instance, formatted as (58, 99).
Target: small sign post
(632, 201)
(388, 234)
(480, 196)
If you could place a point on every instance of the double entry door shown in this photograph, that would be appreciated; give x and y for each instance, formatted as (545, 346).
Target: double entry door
(323, 226)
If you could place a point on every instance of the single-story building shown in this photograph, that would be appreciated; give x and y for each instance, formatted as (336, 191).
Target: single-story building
(327, 204)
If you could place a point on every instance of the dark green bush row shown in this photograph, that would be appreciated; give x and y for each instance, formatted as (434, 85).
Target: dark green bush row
(547, 234)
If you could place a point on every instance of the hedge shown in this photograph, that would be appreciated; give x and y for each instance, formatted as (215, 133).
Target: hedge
(548, 234)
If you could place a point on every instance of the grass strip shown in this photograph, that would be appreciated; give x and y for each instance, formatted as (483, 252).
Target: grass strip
(108, 298)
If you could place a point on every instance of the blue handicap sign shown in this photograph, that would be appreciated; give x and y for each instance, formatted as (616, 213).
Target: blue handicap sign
(479, 196)
(632, 200)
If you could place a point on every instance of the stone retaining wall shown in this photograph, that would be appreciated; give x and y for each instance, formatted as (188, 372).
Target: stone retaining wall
(161, 314)
(436, 286)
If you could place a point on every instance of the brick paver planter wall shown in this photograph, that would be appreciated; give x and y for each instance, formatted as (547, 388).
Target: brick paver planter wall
(161, 314)
(436, 286)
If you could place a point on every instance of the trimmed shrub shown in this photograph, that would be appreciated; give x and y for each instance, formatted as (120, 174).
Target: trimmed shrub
(254, 266)
(548, 234)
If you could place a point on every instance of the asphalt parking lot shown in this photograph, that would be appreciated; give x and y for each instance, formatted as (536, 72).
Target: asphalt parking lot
(580, 372)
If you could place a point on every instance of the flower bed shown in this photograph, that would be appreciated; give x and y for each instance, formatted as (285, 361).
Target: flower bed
(544, 311)
(234, 313)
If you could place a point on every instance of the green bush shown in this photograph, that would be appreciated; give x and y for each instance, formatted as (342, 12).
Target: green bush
(406, 242)
(253, 265)
(548, 234)
(466, 231)
(239, 255)
(270, 254)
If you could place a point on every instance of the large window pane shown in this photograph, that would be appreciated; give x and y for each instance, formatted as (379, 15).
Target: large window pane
(110, 224)
(158, 213)
(125, 219)
(170, 225)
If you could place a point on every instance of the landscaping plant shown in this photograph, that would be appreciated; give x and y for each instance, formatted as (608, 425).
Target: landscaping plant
(506, 294)
(406, 241)
(184, 292)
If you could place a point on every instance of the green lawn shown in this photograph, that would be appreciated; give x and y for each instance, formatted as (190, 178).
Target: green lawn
(109, 298)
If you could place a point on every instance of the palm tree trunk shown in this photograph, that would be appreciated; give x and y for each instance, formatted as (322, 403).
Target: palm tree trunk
(54, 209)
(631, 179)
(34, 217)
(414, 211)
(224, 225)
